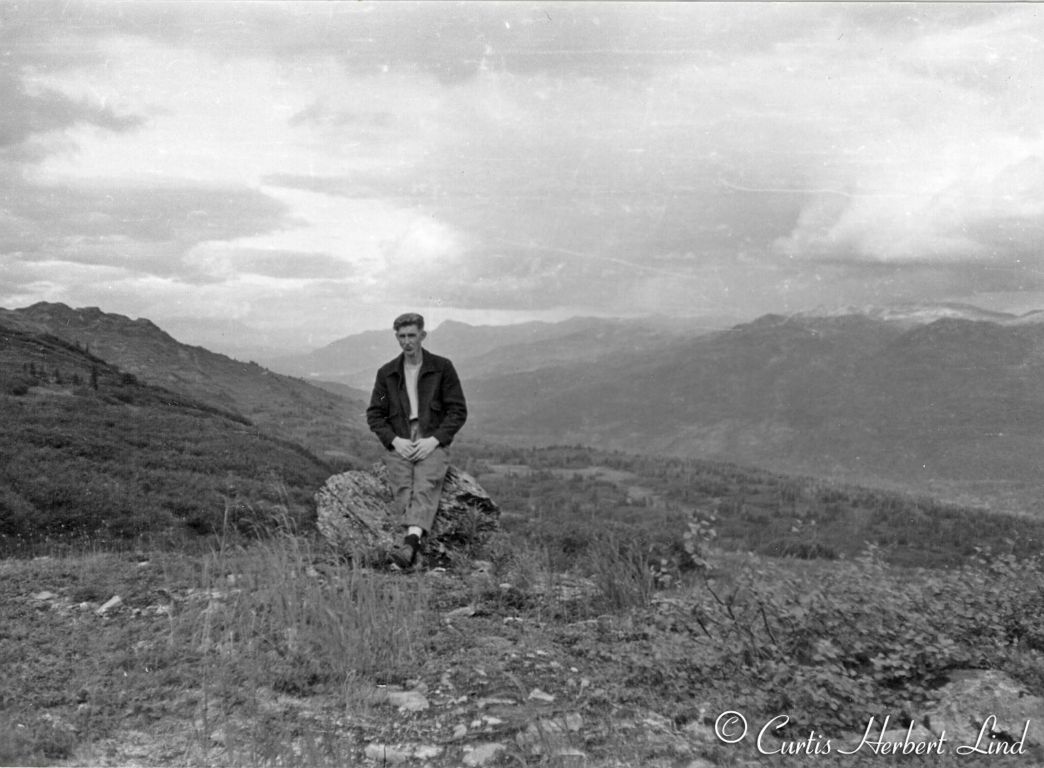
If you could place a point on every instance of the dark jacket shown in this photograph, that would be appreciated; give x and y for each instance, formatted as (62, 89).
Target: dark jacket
(442, 410)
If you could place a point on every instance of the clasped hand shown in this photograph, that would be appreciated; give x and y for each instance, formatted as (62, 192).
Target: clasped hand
(415, 450)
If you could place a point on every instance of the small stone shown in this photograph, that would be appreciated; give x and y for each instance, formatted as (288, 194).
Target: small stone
(538, 695)
(702, 733)
(113, 602)
(699, 762)
(657, 721)
(386, 755)
(569, 756)
(44, 595)
(482, 754)
(494, 701)
(460, 731)
(427, 752)
(917, 734)
(408, 701)
(463, 612)
(574, 721)
(542, 737)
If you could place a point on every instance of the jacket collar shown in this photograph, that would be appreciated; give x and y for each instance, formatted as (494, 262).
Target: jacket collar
(427, 363)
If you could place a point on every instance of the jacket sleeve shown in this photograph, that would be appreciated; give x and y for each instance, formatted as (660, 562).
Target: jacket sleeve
(456, 408)
(377, 413)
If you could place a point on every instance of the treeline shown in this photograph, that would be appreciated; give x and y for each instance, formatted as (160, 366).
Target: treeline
(748, 509)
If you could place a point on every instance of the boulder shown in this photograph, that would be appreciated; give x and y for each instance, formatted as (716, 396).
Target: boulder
(986, 702)
(355, 515)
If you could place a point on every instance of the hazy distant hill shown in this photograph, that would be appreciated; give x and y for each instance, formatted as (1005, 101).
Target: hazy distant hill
(230, 337)
(89, 450)
(485, 349)
(953, 407)
(324, 422)
(916, 313)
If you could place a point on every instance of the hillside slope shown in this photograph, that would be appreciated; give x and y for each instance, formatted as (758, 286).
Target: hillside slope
(324, 422)
(87, 451)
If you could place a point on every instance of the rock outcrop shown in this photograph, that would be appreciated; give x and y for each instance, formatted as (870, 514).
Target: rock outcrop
(982, 705)
(355, 515)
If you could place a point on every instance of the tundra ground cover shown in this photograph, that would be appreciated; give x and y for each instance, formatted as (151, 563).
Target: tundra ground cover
(275, 652)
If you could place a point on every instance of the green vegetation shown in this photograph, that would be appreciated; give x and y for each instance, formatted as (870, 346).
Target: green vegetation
(832, 645)
(275, 651)
(113, 460)
(54, 338)
(209, 641)
(563, 493)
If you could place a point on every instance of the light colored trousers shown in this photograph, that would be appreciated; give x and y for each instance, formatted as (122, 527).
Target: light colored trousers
(417, 486)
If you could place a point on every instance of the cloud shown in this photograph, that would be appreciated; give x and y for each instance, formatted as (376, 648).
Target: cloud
(348, 158)
(291, 264)
(27, 114)
(929, 169)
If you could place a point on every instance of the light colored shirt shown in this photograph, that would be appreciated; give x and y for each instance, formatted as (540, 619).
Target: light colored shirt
(412, 374)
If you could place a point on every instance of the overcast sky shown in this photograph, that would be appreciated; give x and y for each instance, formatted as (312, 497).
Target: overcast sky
(310, 170)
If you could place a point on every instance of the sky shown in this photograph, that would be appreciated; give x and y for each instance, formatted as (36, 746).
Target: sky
(292, 173)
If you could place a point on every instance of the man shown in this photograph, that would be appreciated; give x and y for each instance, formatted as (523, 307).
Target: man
(416, 408)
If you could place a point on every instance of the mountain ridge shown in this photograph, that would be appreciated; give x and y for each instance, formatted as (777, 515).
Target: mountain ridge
(478, 349)
(92, 452)
(325, 422)
(953, 408)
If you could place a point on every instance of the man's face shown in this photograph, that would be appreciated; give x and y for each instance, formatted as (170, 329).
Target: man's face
(410, 338)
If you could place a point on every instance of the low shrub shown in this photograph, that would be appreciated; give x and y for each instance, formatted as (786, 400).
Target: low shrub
(835, 644)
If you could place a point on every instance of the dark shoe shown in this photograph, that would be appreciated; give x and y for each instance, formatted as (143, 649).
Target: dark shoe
(407, 555)
(413, 543)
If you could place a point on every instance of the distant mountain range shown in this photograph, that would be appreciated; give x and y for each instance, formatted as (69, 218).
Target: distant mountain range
(913, 313)
(479, 351)
(952, 407)
(941, 399)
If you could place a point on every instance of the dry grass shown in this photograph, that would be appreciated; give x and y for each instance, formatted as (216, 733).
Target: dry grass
(275, 653)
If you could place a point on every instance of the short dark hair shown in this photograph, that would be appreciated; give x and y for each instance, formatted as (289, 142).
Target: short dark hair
(410, 318)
